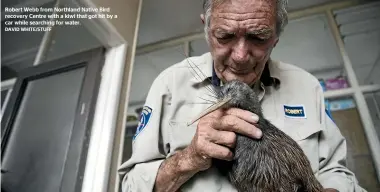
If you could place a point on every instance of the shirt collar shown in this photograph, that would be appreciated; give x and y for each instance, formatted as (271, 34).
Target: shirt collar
(271, 76)
(201, 71)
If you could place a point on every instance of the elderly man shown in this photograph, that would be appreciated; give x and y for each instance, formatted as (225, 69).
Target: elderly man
(169, 155)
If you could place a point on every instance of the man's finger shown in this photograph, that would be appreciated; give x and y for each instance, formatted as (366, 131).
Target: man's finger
(218, 151)
(243, 114)
(226, 138)
(237, 125)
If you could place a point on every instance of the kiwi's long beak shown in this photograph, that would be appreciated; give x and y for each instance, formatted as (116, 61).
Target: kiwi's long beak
(210, 109)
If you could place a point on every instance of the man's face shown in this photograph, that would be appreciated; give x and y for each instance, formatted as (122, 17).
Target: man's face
(241, 37)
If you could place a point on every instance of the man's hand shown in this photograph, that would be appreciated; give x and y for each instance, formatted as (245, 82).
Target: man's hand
(216, 135)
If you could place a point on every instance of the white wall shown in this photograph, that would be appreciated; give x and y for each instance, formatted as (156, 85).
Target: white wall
(309, 44)
(146, 69)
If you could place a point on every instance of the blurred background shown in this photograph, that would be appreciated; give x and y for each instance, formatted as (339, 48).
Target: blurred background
(320, 34)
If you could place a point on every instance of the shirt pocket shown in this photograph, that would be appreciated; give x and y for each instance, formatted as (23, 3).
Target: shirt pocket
(306, 134)
(301, 129)
(180, 132)
(180, 135)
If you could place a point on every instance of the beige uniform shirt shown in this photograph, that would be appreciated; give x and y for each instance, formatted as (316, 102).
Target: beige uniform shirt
(179, 93)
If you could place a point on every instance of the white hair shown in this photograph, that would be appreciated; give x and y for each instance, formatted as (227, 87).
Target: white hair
(281, 19)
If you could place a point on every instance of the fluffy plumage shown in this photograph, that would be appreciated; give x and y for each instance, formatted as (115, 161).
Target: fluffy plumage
(273, 163)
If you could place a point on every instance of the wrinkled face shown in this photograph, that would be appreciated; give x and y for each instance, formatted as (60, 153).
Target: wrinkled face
(242, 35)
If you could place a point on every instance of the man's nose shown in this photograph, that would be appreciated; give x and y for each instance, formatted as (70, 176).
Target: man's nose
(240, 52)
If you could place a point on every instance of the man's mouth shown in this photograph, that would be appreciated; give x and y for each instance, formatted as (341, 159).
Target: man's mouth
(240, 71)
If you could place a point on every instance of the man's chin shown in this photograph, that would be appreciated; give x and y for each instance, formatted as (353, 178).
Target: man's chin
(249, 79)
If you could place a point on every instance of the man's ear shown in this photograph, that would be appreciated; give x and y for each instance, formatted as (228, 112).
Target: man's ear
(203, 18)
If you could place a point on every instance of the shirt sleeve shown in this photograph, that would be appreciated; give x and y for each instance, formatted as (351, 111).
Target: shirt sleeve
(148, 151)
(333, 172)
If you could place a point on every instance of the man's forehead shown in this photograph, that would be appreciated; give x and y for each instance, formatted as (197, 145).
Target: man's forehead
(221, 3)
(248, 12)
(251, 31)
(262, 26)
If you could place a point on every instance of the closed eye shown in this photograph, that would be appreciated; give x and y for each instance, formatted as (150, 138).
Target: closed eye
(225, 36)
(256, 39)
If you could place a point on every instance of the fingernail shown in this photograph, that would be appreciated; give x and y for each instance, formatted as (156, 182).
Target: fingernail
(255, 118)
(259, 133)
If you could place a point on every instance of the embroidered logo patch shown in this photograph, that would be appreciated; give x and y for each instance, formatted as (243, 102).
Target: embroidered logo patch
(144, 119)
(295, 111)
